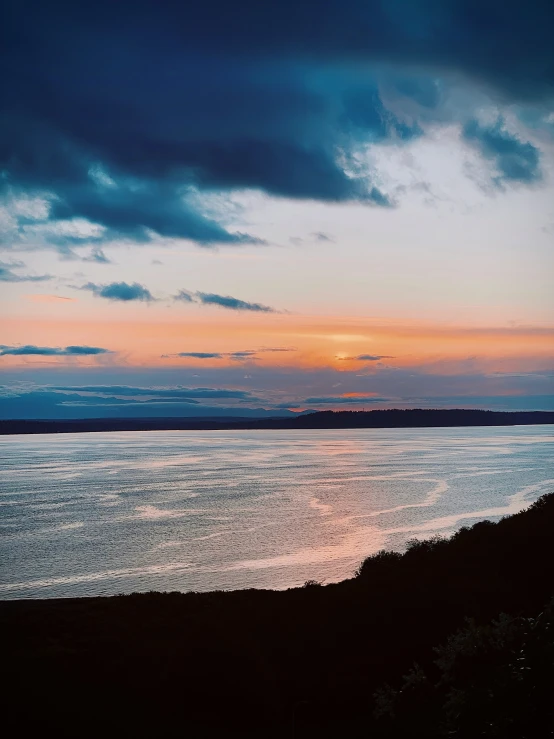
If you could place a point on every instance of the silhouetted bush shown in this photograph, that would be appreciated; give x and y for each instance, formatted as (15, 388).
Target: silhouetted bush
(383, 561)
(494, 680)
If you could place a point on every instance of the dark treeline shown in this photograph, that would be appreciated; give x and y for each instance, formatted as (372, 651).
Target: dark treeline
(352, 659)
(393, 418)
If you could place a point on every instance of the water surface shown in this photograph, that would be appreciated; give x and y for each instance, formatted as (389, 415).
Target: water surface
(106, 513)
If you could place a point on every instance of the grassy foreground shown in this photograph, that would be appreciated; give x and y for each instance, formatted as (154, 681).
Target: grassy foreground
(314, 661)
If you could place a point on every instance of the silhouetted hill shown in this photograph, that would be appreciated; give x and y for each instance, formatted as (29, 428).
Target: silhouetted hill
(305, 662)
(410, 418)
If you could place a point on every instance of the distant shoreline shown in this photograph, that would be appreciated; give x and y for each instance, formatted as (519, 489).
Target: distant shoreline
(411, 418)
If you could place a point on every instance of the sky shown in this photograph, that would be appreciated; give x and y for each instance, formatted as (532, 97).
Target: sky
(263, 208)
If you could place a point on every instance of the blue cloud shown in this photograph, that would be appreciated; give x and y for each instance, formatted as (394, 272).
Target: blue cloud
(516, 160)
(120, 291)
(97, 256)
(365, 111)
(46, 403)
(7, 273)
(268, 96)
(52, 351)
(238, 355)
(169, 393)
(226, 301)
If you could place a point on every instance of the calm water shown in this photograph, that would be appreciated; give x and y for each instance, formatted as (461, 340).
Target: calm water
(104, 513)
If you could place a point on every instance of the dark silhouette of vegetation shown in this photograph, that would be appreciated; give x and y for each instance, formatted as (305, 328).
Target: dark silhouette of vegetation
(315, 661)
(393, 418)
(492, 680)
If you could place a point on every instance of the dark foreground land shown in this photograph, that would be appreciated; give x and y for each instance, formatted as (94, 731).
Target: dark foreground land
(410, 418)
(313, 661)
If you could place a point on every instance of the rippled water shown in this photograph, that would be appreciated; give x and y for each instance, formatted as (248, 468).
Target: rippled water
(104, 513)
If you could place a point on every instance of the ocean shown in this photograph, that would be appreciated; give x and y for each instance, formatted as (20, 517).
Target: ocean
(105, 513)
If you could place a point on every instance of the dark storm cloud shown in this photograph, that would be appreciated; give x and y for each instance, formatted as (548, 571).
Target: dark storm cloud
(515, 160)
(120, 291)
(226, 301)
(7, 273)
(126, 111)
(52, 351)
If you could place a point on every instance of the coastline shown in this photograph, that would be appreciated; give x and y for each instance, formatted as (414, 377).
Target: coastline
(409, 418)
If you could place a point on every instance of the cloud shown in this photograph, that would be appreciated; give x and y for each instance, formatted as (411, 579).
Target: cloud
(52, 351)
(321, 236)
(242, 356)
(8, 275)
(515, 160)
(365, 358)
(120, 291)
(270, 97)
(277, 349)
(226, 301)
(235, 97)
(238, 355)
(125, 292)
(198, 355)
(97, 256)
(223, 301)
(32, 402)
(143, 393)
(184, 297)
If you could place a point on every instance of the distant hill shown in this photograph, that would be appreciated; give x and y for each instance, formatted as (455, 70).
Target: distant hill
(410, 418)
(395, 418)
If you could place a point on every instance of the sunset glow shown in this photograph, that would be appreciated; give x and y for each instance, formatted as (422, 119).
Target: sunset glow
(291, 226)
